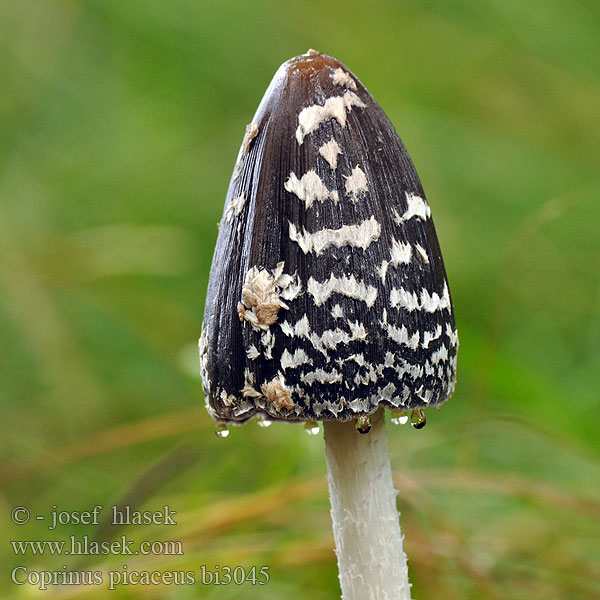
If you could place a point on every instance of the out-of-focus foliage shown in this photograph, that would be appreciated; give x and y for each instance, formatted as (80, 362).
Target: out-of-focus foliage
(120, 122)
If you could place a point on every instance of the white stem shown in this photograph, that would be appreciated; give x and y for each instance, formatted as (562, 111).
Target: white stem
(366, 524)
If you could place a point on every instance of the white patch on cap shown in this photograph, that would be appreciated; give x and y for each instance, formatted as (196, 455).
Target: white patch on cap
(433, 302)
(311, 117)
(309, 188)
(335, 407)
(406, 368)
(426, 396)
(358, 330)
(389, 390)
(234, 208)
(248, 391)
(439, 355)
(358, 236)
(401, 298)
(337, 312)
(359, 359)
(340, 77)
(331, 338)
(252, 353)
(321, 376)
(300, 329)
(389, 359)
(245, 406)
(356, 183)
(452, 335)
(400, 335)
(291, 361)
(423, 253)
(359, 405)
(382, 269)
(227, 399)
(329, 152)
(371, 376)
(291, 291)
(429, 336)
(346, 286)
(289, 285)
(417, 207)
(400, 254)
(268, 341)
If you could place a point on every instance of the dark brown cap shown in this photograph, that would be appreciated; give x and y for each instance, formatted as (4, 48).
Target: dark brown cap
(328, 295)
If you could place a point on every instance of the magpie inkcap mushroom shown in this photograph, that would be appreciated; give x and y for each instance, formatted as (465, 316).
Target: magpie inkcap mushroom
(328, 300)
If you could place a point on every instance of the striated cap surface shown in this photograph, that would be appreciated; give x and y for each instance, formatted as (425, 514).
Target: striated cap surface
(328, 294)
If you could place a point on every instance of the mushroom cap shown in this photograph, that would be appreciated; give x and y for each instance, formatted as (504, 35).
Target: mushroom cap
(327, 294)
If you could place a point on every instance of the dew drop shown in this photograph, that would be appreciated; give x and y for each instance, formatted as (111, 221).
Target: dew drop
(311, 428)
(399, 417)
(264, 423)
(418, 419)
(363, 424)
(221, 430)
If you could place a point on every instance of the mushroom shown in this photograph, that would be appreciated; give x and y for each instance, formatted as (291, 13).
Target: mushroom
(328, 300)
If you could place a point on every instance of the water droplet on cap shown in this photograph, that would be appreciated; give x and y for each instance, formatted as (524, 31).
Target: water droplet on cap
(363, 424)
(399, 417)
(221, 430)
(418, 419)
(311, 428)
(264, 423)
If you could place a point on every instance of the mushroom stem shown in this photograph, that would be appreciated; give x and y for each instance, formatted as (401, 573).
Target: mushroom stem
(366, 525)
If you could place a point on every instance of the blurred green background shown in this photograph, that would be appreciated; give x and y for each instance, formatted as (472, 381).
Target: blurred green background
(120, 122)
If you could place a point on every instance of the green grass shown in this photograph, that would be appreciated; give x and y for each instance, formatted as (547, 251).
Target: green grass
(120, 125)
